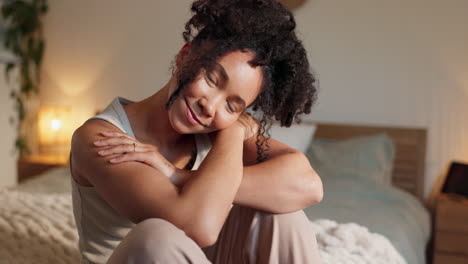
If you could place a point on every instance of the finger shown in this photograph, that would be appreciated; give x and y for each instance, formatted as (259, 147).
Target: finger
(120, 149)
(115, 134)
(112, 141)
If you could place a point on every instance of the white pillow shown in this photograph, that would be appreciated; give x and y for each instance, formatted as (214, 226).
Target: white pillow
(297, 136)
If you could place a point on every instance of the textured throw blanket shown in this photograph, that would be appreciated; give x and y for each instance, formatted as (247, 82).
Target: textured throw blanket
(352, 243)
(39, 228)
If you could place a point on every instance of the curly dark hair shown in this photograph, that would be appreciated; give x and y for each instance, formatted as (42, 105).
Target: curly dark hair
(265, 28)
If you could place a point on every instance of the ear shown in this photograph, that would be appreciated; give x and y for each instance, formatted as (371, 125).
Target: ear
(182, 53)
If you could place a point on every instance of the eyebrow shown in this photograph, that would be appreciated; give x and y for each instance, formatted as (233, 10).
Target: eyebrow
(225, 78)
(220, 69)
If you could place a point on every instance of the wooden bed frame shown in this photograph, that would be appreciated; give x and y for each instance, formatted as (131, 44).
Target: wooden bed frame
(410, 150)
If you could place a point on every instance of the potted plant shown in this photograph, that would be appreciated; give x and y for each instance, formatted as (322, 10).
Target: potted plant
(23, 37)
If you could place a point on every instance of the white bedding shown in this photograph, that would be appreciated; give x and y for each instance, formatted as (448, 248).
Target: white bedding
(39, 228)
(351, 243)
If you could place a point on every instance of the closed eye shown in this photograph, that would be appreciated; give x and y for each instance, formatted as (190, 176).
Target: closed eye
(230, 108)
(211, 81)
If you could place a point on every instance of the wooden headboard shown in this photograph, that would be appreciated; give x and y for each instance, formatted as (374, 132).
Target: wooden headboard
(410, 150)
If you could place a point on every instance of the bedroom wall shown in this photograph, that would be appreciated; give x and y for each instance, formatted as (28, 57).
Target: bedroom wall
(7, 138)
(402, 63)
(100, 49)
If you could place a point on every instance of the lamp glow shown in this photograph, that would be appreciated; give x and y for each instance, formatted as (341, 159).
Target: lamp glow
(55, 124)
(54, 129)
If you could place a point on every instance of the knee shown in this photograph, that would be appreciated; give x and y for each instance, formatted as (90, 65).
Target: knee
(153, 238)
(157, 229)
(291, 236)
(293, 218)
(294, 222)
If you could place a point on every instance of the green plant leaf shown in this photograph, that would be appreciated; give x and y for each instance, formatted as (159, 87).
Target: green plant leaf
(20, 109)
(44, 7)
(11, 36)
(17, 51)
(22, 146)
(27, 87)
(5, 42)
(23, 37)
(12, 94)
(7, 10)
(30, 45)
(39, 52)
(28, 21)
(8, 68)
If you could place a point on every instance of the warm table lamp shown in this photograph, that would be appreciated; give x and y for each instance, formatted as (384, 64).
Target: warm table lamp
(54, 129)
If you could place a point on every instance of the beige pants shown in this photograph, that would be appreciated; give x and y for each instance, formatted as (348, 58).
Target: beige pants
(248, 236)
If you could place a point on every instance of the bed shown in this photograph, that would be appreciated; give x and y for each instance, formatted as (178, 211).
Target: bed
(394, 207)
(356, 222)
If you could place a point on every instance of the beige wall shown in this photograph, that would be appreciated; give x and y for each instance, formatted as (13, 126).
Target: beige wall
(99, 49)
(395, 62)
(7, 138)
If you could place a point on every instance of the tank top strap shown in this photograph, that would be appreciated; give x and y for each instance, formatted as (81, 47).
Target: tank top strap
(115, 114)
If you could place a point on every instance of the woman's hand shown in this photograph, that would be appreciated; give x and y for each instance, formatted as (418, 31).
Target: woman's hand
(245, 124)
(249, 124)
(124, 148)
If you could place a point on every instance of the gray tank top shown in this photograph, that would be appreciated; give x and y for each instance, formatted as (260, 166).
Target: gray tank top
(100, 227)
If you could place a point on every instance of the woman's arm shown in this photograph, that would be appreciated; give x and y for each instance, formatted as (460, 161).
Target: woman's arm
(139, 192)
(284, 183)
(212, 188)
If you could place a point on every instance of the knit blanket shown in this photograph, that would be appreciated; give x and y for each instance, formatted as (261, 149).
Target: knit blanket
(351, 243)
(40, 228)
(37, 228)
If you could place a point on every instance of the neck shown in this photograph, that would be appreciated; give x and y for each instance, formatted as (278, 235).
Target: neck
(150, 120)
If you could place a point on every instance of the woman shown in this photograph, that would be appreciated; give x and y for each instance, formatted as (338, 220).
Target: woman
(185, 175)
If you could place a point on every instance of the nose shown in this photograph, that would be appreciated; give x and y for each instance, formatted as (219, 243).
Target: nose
(208, 106)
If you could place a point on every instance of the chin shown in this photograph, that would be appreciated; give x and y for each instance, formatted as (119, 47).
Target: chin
(179, 127)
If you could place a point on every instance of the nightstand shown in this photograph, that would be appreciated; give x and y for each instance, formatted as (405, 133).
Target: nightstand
(451, 230)
(34, 165)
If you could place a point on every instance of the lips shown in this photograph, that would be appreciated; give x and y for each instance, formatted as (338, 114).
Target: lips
(191, 117)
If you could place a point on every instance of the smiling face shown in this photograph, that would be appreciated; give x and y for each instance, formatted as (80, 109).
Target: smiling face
(215, 100)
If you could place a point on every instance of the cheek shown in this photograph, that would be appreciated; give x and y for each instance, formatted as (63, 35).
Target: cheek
(176, 116)
(172, 114)
(223, 122)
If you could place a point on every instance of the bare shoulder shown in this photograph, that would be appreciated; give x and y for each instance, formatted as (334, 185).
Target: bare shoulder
(134, 189)
(82, 148)
(90, 131)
